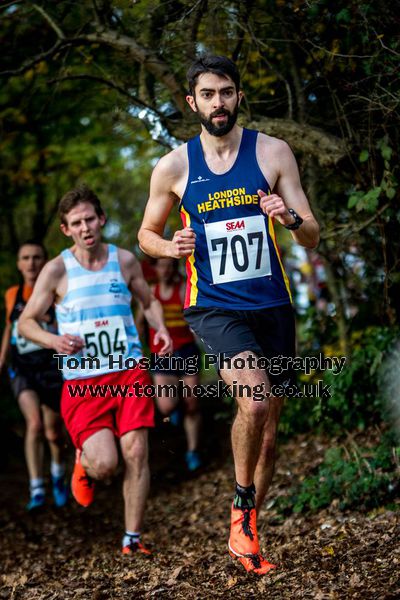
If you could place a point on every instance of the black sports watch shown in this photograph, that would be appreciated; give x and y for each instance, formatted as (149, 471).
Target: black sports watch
(297, 220)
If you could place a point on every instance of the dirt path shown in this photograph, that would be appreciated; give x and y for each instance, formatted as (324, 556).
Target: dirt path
(74, 553)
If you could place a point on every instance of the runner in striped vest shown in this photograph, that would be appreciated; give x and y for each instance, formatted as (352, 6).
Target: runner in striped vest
(106, 392)
(106, 325)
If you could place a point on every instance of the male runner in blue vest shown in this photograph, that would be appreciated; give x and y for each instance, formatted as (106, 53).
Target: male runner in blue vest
(104, 393)
(230, 184)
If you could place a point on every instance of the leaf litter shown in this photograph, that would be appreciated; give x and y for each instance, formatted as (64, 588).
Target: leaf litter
(75, 552)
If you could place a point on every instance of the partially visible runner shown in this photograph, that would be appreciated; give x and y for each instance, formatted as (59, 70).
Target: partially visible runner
(231, 184)
(35, 381)
(103, 396)
(184, 362)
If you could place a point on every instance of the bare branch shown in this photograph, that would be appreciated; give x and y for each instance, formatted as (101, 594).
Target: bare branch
(310, 141)
(263, 57)
(109, 83)
(376, 103)
(4, 6)
(30, 64)
(379, 36)
(187, 13)
(50, 21)
(338, 54)
(122, 43)
(386, 47)
(148, 58)
(350, 228)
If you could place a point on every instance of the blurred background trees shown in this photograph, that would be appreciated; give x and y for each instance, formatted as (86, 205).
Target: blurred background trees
(94, 91)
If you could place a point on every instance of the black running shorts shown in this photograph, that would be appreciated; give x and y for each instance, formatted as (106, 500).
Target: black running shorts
(267, 332)
(184, 361)
(47, 383)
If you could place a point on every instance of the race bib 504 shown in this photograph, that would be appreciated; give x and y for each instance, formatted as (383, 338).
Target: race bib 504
(103, 337)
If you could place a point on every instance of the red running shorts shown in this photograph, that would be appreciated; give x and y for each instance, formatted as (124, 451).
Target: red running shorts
(91, 404)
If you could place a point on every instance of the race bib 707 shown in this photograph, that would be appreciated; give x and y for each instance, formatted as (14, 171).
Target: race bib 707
(238, 249)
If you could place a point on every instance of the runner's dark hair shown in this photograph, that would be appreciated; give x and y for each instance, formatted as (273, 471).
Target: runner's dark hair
(210, 63)
(34, 242)
(82, 193)
(175, 275)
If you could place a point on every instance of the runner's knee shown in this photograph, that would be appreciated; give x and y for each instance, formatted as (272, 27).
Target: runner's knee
(34, 427)
(191, 405)
(253, 412)
(103, 466)
(166, 405)
(52, 435)
(135, 452)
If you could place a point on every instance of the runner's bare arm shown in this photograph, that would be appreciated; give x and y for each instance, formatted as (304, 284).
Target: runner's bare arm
(140, 322)
(163, 197)
(288, 193)
(43, 296)
(152, 309)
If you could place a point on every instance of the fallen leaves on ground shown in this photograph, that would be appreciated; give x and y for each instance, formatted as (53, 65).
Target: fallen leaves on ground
(75, 553)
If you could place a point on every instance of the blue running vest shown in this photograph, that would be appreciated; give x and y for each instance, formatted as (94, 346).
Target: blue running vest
(236, 262)
(97, 308)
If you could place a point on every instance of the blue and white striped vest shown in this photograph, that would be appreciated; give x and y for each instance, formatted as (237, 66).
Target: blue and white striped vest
(97, 308)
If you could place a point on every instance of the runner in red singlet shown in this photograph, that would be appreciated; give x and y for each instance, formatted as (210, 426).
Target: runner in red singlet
(170, 291)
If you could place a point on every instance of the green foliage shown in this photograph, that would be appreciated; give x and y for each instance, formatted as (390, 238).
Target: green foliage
(388, 381)
(297, 416)
(357, 399)
(364, 393)
(80, 87)
(369, 201)
(343, 15)
(356, 477)
(52, 144)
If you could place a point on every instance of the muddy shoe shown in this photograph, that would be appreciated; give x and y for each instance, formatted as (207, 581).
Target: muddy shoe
(254, 564)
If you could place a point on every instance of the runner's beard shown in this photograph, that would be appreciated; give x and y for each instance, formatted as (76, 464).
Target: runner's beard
(218, 130)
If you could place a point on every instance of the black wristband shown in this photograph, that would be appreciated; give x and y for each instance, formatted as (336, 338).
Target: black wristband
(297, 220)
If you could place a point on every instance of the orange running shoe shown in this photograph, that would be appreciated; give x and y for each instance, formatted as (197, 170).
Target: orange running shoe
(254, 564)
(243, 540)
(82, 485)
(134, 548)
